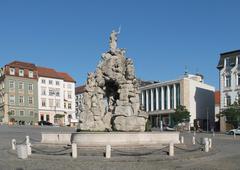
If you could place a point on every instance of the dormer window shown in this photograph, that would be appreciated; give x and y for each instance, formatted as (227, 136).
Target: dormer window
(21, 72)
(12, 71)
(30, 74)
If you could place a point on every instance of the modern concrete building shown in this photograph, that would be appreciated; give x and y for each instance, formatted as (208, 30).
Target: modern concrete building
(18, 93)
(160, 100)
(79, 99)
(229, 79)
(56, 96)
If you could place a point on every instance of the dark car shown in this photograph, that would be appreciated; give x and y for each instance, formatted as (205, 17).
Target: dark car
(44, 123)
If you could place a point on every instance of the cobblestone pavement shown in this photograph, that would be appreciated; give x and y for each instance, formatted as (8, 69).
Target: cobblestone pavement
(225, 154)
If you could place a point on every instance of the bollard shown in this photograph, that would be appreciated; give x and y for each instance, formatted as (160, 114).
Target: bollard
(193, 140)
(213, 133)
(210, 143)
(27, 140)
(234, 135)
(206, 145)
(182, 139)
(171, 149)
(29, 149)
(13, 144)
(74, 150)
(108, 151)
(22, 151)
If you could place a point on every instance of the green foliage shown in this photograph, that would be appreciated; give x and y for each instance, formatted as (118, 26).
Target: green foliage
(148, 126)
(58, 116)
(232, 114)
(10, 113)
(181, 115)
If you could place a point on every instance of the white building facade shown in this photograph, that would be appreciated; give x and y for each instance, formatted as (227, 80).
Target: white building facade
(161, 99)
(229, 79)
(56, 97)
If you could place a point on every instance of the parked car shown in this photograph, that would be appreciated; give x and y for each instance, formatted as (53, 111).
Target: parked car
(44, 123)
(236, 131)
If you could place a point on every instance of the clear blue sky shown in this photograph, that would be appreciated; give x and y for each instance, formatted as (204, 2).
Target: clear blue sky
(161, 36)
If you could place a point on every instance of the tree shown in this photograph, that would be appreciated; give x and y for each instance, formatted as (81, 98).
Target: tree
(181, 115)
(232, 114)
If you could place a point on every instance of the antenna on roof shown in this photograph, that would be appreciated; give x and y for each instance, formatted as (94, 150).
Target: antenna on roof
(185, 70)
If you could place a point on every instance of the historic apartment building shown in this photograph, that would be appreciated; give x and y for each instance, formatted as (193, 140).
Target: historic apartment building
(229, 79)
(79, 99)
(160, 100)
(18, 93)
(56, 97)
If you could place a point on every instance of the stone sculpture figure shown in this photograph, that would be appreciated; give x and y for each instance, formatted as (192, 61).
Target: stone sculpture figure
(114, 81)
(113, 40)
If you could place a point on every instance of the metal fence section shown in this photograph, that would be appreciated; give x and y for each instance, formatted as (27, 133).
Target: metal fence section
(52, 152)
(139, 153)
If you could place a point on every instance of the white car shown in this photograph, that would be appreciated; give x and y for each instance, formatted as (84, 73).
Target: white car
(236, 131)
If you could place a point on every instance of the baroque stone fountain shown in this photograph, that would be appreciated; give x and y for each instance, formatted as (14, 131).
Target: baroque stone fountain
(111, 113)
(111, 101)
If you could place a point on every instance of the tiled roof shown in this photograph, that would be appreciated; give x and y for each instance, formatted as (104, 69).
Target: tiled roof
(80, 89)
(20, 64)
(66, 77)
(217, 98)
(48, 72)
(51, 73)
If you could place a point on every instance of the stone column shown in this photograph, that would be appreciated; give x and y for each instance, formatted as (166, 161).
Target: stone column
(162, 90)
(174, 96)
(147, 102)
(168, 97)
(152, 102)
(143, 98)
(157, 99)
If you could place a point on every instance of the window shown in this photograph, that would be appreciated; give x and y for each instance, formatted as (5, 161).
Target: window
(43, 91)
(12, 71)
(228, 81)
(31, 113)
(228, 62)
(50, 102)
(43, 102)
(51, 92)
(30, 100)
(69, 105)
(227, 100)
(21, 113)
(57, 103)
(12, 112)
(57, 91)
(30, 74)
(30, 87)
(11, 84)
(65, 105)
(12, 99)
(238, 57)
(69, 94)
(21, 100)
(57, 83)
(20, 85)
(50, 82)
(21, 72)
(43, 81)
(69, 86)
(238, 79)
